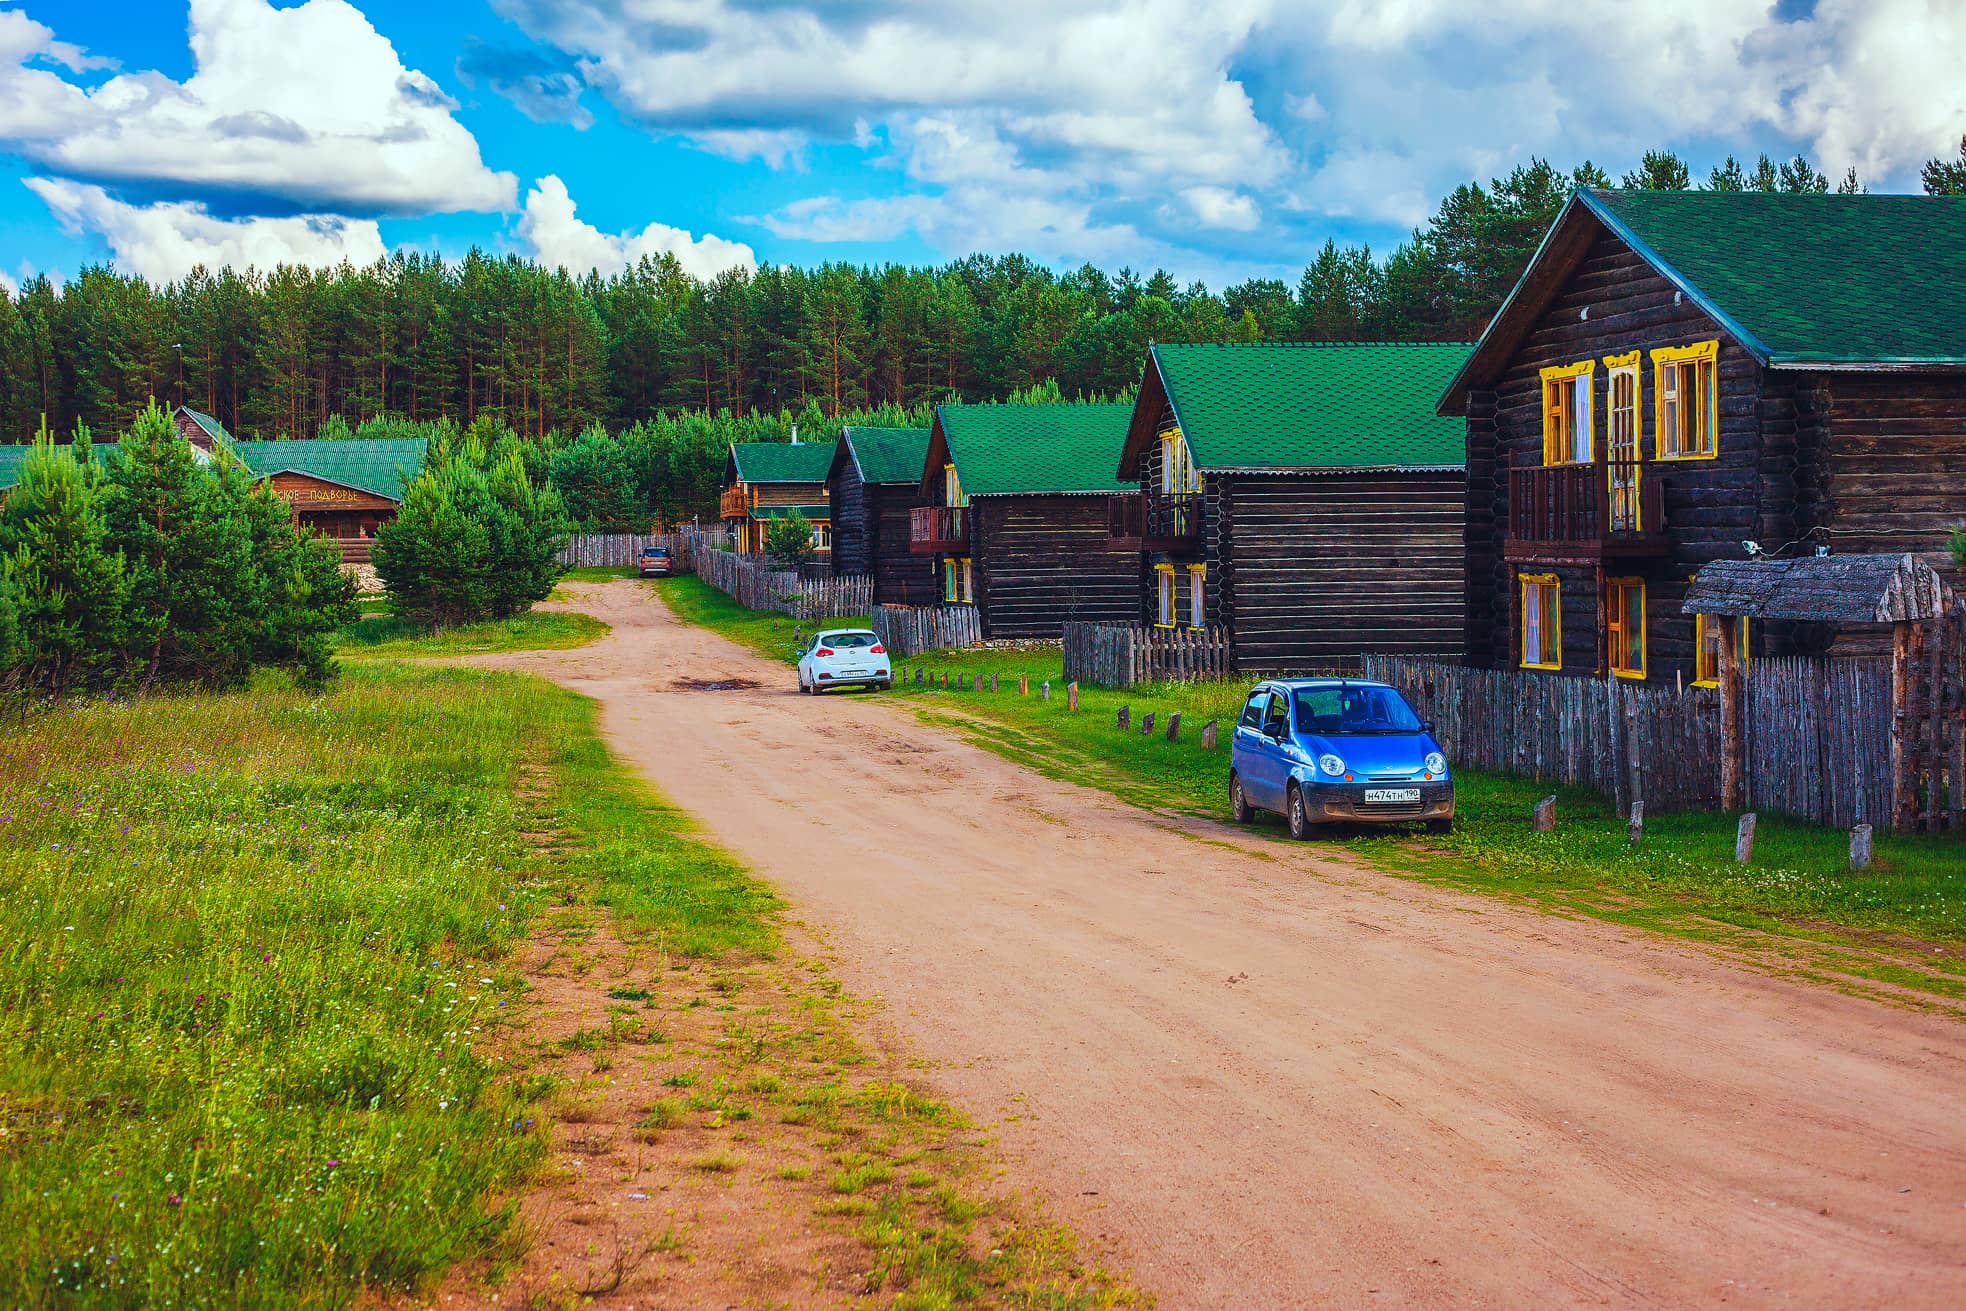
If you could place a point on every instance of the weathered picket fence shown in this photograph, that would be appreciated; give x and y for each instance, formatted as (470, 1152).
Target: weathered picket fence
(1122, 655)
(755, 585)
(591, 550)
(907, 630)
(1818, 738)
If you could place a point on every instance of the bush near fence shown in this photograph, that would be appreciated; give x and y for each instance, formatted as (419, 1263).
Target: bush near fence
(1121, 655)
(907, 630)
(1817, 731)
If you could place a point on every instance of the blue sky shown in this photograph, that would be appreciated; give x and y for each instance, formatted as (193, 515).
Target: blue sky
(1219, 139)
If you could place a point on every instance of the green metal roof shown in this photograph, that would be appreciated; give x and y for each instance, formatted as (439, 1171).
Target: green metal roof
(787, 511)
(782, 462)
(213, 428)
(888, 455)
(1810, 279)
(1315, 405)
(380, 465)
(1003, 450)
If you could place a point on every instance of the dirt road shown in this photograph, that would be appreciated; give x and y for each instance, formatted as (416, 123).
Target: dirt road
(1272, 1078)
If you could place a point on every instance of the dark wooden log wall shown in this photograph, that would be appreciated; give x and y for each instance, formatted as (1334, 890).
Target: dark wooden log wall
(1894, 462)
(900, 576)
(848, 495)
(1041, 560)
(1324, 568)
(790, 493)
(1613, 303)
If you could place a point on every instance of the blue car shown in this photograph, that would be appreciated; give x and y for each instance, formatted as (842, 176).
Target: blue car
(1337, 751)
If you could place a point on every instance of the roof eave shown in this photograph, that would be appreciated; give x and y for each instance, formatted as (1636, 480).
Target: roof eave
(1805, 364)
(1327, 470)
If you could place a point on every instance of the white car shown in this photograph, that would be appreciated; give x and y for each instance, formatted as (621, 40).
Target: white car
(844, 657)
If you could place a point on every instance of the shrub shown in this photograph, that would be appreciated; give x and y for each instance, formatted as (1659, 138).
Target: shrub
(68, 581)
(789, 540)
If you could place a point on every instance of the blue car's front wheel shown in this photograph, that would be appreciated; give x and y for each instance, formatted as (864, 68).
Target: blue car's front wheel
(1239, 809)
(1301, 827)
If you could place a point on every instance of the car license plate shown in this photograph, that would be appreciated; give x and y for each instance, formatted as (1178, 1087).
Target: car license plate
(1391, 794)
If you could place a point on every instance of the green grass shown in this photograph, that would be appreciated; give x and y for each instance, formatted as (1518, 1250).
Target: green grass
(255, 947)
(599, 573)
(770, 635)
(386, 636)
(1682, 879)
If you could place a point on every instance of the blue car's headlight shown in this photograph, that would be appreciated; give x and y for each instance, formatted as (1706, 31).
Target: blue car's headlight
(1331, 764)
(1436, 763)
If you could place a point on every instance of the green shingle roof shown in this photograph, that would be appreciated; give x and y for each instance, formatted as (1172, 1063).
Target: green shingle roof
(378, 465)
(1001, 450)
(213, 428)
(888, 455)
(782, 462)
(1811, 279)
(1315, 406)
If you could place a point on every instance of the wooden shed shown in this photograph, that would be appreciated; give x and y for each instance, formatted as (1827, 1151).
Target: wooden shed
(1681, 373)
(1306, 498)
(1016, 515)
(873, 488)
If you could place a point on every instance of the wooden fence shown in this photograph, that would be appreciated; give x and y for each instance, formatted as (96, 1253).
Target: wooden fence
(753, 584)
(907, 630)
(591, 550)
(1818, 739)
(1121, 655)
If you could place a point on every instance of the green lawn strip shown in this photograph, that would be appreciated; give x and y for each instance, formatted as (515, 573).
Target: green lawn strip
(770, 635)
(1682, 879)
(600, 573)
(387, 637)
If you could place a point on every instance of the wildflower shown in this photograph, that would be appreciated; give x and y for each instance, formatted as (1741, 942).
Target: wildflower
(333, 1163)
(172, 1199)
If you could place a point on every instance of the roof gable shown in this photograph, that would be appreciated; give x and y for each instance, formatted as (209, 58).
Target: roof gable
(1357, 405)
(781, 462)
(886, 455)
(1007, 450)
(1799, 281)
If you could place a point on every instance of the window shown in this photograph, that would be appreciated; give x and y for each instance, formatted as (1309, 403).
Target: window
(1197, 596)
(1177, 466)
(1706, 649)
(1252, 714)
(1624, 623)
(956, 580)
(1621, 427)
(1542, 623)
(1164, 595)
(822, 537)
(1685, 395)
(952, 487)
(1276, 715)
(1354, 710)
(1567, 430)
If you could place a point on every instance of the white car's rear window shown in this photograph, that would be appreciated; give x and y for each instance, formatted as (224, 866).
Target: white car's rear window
(847, 641)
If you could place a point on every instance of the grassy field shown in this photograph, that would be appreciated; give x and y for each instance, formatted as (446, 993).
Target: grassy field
(268, 1016)
(386, 636)
(1682, 879)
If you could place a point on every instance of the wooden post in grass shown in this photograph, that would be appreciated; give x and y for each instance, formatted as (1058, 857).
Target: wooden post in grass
(1125, 718)
(993, 682)
(976, 682)
(1543, 818)
(1023, 685)
(918, 675)
(1071, 695)
(1208, 736)
(1860, 847)
(1147, 724)
(1744, 840)
(1174, 726)
(945, 680)
(1635, 830)
(1045, 693)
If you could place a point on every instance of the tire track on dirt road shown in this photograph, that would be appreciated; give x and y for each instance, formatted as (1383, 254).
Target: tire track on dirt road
(1273, 1077)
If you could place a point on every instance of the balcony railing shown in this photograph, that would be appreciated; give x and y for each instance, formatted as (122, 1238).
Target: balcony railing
(938, 529)
(735, 503)
(1150, 521)
(1586, 512)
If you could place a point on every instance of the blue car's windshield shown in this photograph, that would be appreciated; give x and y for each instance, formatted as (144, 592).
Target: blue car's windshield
(1356, 711)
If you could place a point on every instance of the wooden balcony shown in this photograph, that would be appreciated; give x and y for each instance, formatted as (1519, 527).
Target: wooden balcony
(938, 529)
(1586, 513)
(1148, 521)
(735, 503)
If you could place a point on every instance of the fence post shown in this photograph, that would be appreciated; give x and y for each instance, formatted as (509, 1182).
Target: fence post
(1208, 736)
(1542, 819)
(1860, 847)
(1174, 726)
(1125, 715)
(1732, 766)
(1744, 840)
(1046, 695)
(1071, 695)
(1635, 830)
(1147, 724)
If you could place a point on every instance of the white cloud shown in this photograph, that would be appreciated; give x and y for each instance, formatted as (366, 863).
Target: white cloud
(164, 241)
(553, 235)
(1219, 207)
(305, 108)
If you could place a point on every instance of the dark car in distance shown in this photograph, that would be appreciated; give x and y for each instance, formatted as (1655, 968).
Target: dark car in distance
(655, 562)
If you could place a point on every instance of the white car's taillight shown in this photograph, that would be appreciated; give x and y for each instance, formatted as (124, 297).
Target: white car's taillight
(824, 651)
(877, 649)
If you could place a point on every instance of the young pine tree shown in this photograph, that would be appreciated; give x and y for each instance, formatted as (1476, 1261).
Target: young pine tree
(434, 557)
(307, 595)
(526, 527)
(68, 583)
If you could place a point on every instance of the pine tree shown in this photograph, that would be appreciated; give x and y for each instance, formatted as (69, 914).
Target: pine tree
(1945, 177)
(1659, 170)
(68, 584)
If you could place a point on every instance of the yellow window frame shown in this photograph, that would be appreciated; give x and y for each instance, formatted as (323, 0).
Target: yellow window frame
(1164, 596)
(1701, 623)
(1524, 582)
(1557, 380)
(952, 487)
(1177, 464)
(1197, 596)
(1704, 356)
(1615, 627)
